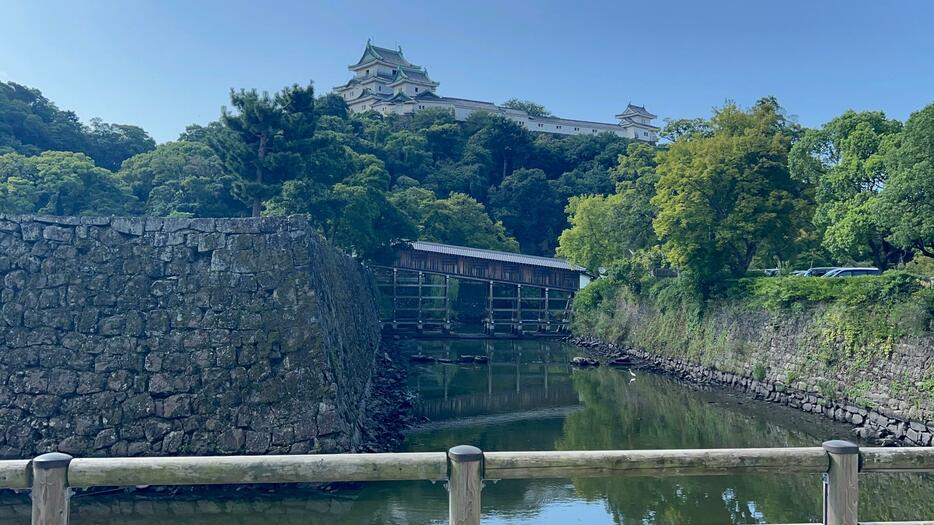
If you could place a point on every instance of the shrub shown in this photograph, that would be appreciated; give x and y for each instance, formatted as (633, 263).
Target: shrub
(784, 292)
(759, 372)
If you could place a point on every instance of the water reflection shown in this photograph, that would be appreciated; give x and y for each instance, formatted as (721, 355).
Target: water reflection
(528, 398)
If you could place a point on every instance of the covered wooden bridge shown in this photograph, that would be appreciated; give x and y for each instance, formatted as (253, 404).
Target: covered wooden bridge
(446, 288)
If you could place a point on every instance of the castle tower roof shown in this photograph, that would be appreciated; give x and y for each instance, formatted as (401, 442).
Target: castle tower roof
(633, 110)
(393, 57)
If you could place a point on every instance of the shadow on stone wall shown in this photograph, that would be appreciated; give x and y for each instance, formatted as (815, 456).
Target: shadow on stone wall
(136, 336)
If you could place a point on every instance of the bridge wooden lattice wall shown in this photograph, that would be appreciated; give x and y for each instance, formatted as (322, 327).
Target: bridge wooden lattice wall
(424, 301)
(521, 293)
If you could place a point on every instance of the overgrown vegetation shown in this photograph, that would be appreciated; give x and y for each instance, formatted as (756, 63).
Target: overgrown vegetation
(844, 326)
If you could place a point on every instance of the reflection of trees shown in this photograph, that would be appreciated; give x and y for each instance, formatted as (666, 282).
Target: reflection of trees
(651, 412)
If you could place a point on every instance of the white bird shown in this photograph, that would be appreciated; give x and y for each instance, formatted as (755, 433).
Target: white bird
(630, 372)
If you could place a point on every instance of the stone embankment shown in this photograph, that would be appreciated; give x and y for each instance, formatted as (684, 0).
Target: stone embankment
(141, 336)
(872, 425)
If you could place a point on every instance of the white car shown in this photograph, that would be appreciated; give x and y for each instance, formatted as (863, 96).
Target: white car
(852, 272)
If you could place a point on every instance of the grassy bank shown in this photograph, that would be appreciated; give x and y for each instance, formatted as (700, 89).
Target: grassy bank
(868, 340)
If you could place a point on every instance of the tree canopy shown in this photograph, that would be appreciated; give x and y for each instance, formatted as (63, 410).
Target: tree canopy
(532, 108)
(745, 187)
(906, 207)
(60, 183)
(31, 124)
(725, 197)
(846, 163)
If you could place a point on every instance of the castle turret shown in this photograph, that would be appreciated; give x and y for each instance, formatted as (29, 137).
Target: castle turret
(383, 75)
(639, 120)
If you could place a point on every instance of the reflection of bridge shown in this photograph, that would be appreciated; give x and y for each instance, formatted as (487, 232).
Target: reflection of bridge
(435, 286)
(510, 383)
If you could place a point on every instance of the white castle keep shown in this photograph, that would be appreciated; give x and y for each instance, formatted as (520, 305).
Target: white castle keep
(386, 82)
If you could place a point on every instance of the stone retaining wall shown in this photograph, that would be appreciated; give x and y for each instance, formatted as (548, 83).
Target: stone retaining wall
(871, 424)
(136, 336)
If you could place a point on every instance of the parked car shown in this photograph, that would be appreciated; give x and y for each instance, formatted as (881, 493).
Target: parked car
(818, 271)
(852, 272)
(799, 273)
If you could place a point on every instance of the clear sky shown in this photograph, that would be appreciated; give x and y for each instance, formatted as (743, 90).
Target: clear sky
(165, 64)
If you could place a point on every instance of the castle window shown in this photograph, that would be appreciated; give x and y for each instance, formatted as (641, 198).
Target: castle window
(559, 127)
(367, 71)
(645, 133)
(416, 90)
(540, 125)
(577, 129)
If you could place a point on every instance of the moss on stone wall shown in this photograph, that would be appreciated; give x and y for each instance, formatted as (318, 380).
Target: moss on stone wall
(865, 340)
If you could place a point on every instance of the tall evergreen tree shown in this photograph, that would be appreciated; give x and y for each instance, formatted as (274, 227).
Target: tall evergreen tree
(271, 142)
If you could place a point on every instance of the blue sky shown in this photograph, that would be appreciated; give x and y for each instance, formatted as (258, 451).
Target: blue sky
(166, 64)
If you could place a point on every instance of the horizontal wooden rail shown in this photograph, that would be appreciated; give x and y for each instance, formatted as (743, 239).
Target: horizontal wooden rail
(597, 463)
(464, 468)
(873, 523)
(15, 474)
(914, 459)
(207, 470)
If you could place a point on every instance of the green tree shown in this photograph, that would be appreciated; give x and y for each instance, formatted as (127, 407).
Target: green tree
(354, 213)
(182, 179)
(604, 231)
(531, 210)
(592, 240)
(675, 129)
(725, 197)
(458, 219)
(31, 124)
(846, 162)
(533, 109)
(907, 202)
(332, 105)
(497, 142)
(271, 142)
(407, 154)
(60, 183)
(368, 223)
(111, 144)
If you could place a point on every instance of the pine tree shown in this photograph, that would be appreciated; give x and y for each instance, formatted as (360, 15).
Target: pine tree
(270, 140)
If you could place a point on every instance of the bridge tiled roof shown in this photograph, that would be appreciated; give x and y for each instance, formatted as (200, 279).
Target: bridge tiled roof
(493, 255)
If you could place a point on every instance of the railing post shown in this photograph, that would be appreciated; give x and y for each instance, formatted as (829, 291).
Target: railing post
(50, 492)
(841, 488)
(464, 479)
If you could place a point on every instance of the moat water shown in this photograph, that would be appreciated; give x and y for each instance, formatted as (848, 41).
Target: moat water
(528, 398)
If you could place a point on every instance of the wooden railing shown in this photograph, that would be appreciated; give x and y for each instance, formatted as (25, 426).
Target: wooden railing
(463, 468)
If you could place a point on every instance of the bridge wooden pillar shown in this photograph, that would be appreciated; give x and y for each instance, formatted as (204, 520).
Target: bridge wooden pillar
(446, 327)
(491, 325)
(547, 318)
(419, 325)
(395, 294)
(518, 320)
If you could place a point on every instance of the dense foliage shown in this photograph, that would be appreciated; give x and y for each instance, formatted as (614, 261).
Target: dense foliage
(750, 189)
(745, 188)
(31, 124)
(364, 180)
